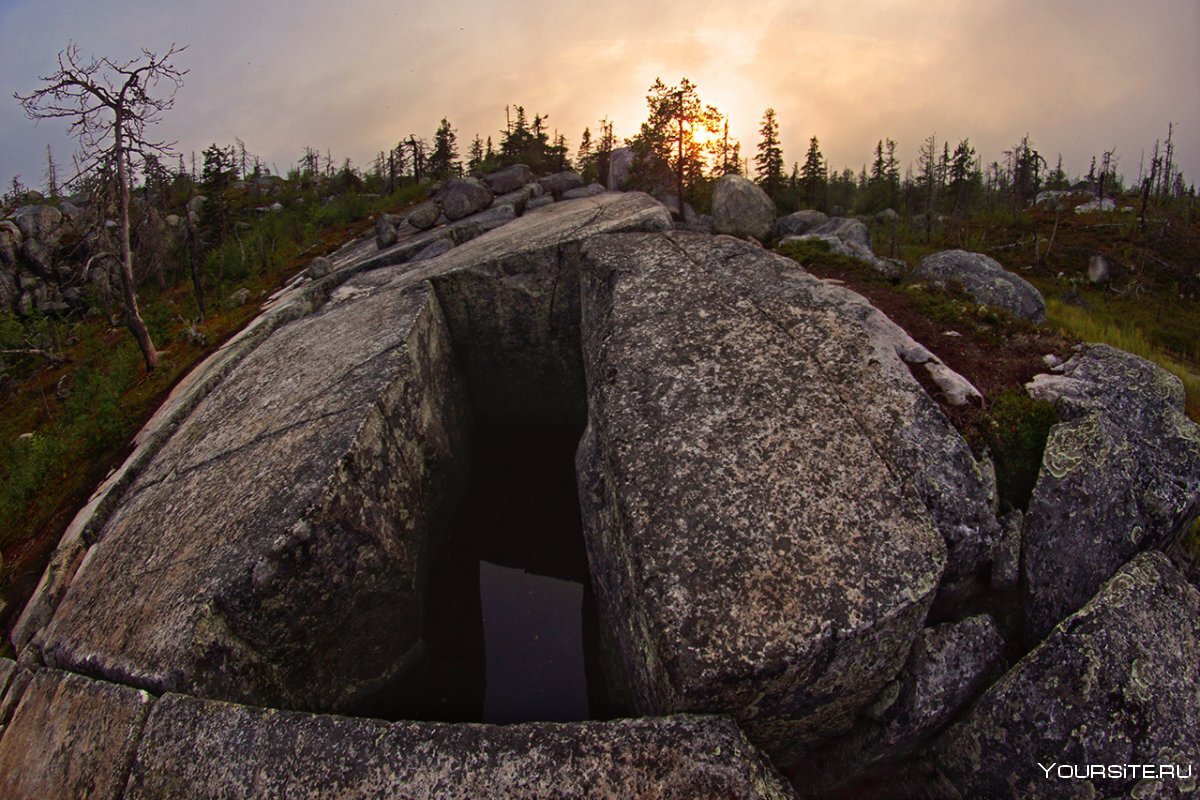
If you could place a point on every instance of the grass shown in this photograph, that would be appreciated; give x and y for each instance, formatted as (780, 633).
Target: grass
(1090, 327)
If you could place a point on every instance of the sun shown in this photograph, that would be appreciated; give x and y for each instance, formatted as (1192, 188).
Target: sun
(702, 136)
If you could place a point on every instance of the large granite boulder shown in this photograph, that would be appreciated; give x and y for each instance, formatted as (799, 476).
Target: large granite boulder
(750, 549)
(197, 748)
(424, 216)
(39, 222)
(740, 208)
(850, 249)
(985, 280)
(11, 239)
(509, 179)
(462, 197)
(288, 521)
(1120, 474)
(848, 230)
(620, 162)
(71, 737)
(1115, 686)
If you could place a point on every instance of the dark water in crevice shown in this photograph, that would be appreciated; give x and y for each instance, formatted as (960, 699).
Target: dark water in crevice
(511, 629)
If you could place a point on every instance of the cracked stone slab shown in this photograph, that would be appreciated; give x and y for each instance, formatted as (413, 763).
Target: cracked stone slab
(751, 549)
(511, 299)
(287, 521)
(71, 737)
(197, 748)
(1118, 683)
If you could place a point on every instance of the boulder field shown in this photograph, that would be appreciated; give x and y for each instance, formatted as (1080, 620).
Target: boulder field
(771, 502)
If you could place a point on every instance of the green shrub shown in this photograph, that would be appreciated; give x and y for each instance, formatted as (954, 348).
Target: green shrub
(30, 463)
(1015, 429)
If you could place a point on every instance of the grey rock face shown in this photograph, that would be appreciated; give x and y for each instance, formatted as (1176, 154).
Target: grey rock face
(287, 521)
(10, 243)
(1114, 684)
(196, 748)
(38, 222)
(799, 223)
(434, 250)
(620, 162)
(985, 280)
(734, 508)
(1120, 474)
(509, 179)
(560, 183)
(71, 737)
(424, 216)
(516, 198)
(319, 267)
(462, 197)
(539, 201)
(740, 208)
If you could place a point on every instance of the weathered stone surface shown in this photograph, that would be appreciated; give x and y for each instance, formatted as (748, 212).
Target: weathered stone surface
(38, 222)
(1099, 270)
(424, 216)
(949, 666)
(1117, 683)
(195, 748)
(1120, 474)
(319, 267)
(850, 231)
(748, 545)
(262, 552)
(511, 300)
(385, 230)
(590, 190)
(10, 243)
(985, 280)
(517, 198)
(539, 201)
(741, 208)
(8, 668)
(799, 223)
(561, 182)
(462, 197)
(620, 162)
(71, 737)
(509, 179)
(434, 250)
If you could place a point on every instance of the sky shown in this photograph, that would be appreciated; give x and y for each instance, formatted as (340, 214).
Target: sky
(1078, 76)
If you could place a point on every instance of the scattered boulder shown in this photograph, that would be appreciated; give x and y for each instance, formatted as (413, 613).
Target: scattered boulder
(1099, 270)
(887, 267)
(385, 230)
(620, 162)
(462, 197)
(799, 223)
(707, 497)
(509, 179)
(887, 217)
(434, 250)
(740, 208)
(319, 267)
(1120, 474)
(584, 191)
(196, 204)
(539, 202)
(1113, 684)
(424, 215)
(1103, 205)
(238, 298)
(985, 280)
(850, 231)
(560, 183)
(517, 198)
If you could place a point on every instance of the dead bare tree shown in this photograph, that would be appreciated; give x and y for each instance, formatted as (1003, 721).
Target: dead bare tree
(110, 104)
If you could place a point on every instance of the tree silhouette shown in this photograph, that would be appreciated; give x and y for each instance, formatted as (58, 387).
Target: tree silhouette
(673, 138)
(768, 164)
(110, 105)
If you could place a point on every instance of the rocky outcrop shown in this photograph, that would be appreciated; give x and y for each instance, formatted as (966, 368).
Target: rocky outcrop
(462, 197)
(1120, 474)
(717, 447)
(985, 280)
(71, 737)
(591, 190)
(740, 208)
(198, 748)
(287, 521)
(423, 216)
(1112, 685)
(850, 231)
(620, 162)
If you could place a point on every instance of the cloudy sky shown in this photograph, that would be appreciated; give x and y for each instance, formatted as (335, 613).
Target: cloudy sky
(1079, 76)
